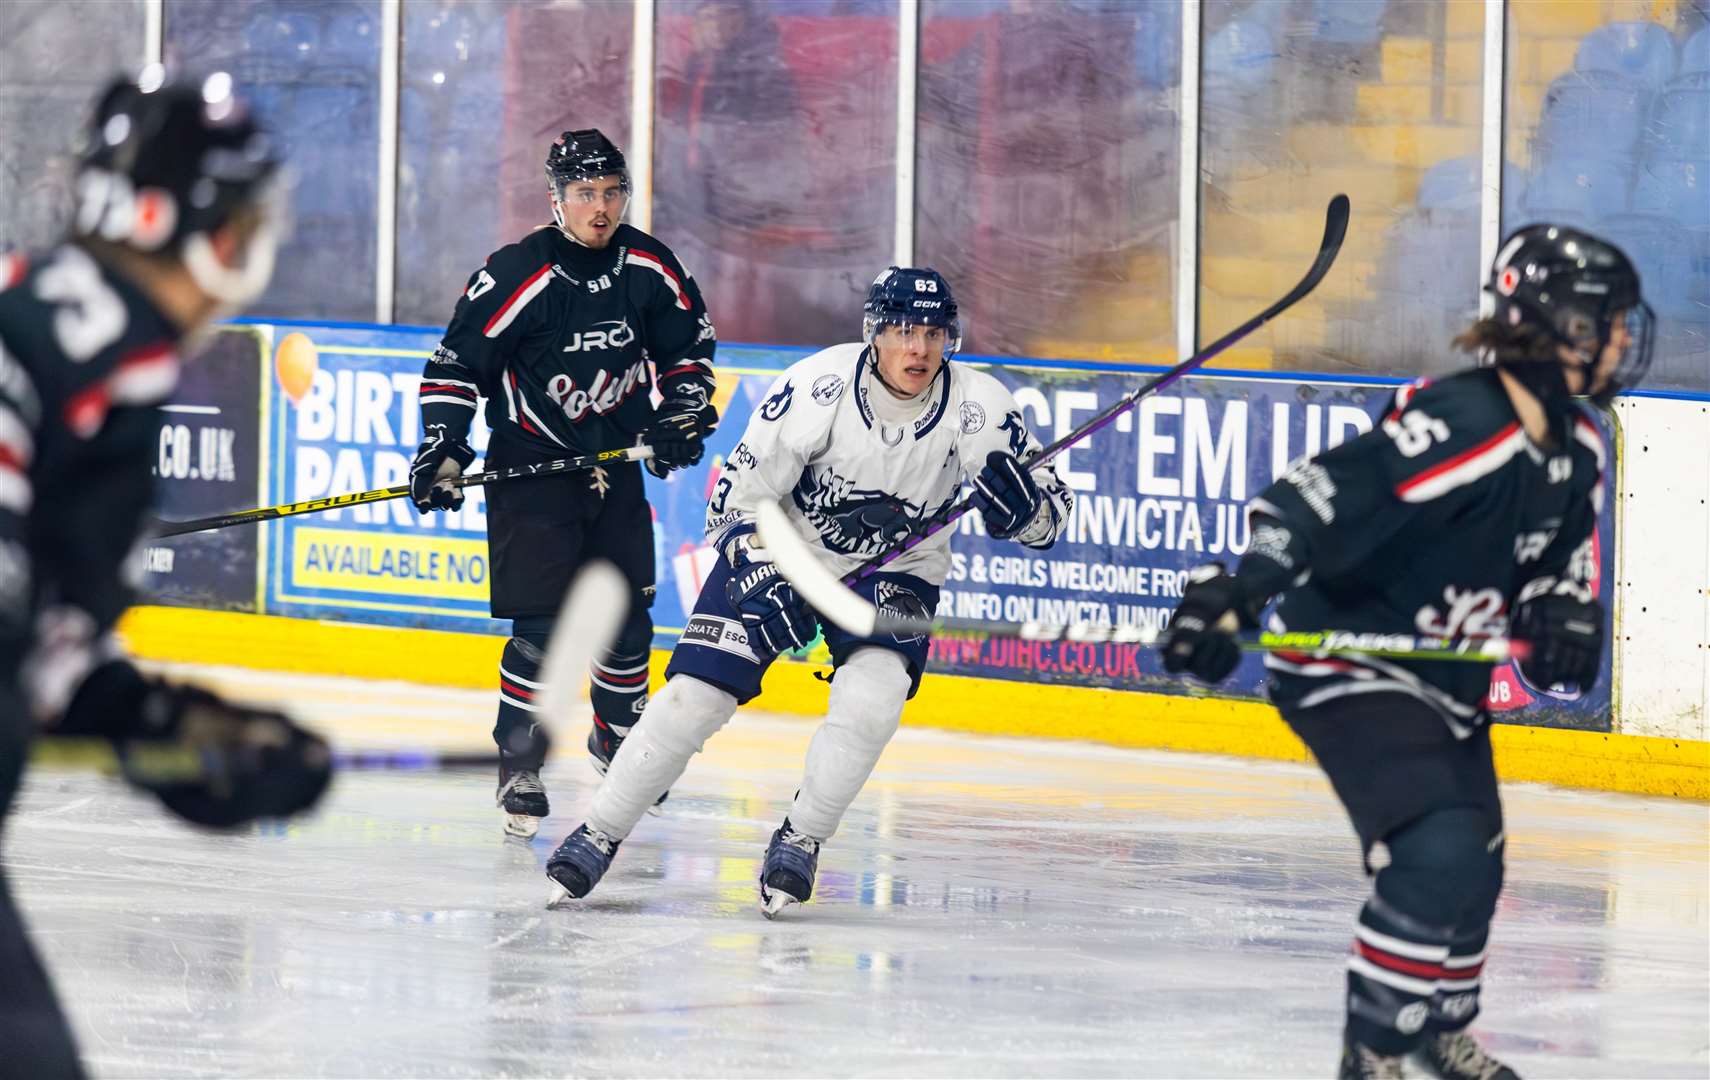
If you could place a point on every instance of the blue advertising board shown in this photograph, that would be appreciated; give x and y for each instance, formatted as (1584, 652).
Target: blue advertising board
(1157, 492)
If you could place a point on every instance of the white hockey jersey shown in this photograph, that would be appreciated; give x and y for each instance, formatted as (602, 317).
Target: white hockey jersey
(856, 467)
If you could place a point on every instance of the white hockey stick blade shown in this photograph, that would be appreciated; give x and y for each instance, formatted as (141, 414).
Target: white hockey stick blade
(587, 625)
(812, 579)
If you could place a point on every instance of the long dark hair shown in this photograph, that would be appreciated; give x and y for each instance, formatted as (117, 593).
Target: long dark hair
(1493, 342)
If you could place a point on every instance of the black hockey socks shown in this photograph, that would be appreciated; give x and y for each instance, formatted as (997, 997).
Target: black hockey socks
(521, 744)
(1419, 943)
(618, 681)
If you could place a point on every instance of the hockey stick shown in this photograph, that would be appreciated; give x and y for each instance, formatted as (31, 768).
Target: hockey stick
(839, 604)
(358, 498)
(587, 624)
(1335, 228)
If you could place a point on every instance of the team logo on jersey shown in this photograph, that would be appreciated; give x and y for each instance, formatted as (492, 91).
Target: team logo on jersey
(1465, 613)
(1017, 432)
(900, 600)
(827, 389)
(603, 395)
(849, 519)
(774, 407)
(973, 417)
(609, 334)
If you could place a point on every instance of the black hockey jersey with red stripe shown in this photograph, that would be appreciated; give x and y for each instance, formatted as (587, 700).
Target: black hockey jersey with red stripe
(85, 360)
(1433, 523)
(564, 342)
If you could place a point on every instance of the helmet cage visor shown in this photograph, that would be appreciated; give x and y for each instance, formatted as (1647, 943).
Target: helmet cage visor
(872, 324)
(1635, 360)
(558, 183)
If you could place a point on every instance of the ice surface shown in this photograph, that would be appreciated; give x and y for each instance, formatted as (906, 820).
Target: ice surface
(991, 907)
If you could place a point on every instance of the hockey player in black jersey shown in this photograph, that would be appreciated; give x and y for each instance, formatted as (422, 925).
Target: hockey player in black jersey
(564, 332)
(1467, 512)
(173, 227)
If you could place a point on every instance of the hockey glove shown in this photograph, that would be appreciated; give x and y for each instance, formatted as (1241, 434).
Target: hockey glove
(1005, 495)
(255, 763)
(1200, 639)
(678, 434)
(774, 615)
(438, 459)
(1563, 625)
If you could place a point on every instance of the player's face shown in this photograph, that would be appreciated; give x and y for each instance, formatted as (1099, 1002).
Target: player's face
(1614, 351)
(909, 356)
(592, 209)
(1608, 360)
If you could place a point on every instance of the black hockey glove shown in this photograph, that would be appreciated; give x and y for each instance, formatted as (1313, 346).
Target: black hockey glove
(1563, 626)
(774, 615)
(1005, 495)
(678, 434)
(253, 763)
(439, 458)
(1200, 639)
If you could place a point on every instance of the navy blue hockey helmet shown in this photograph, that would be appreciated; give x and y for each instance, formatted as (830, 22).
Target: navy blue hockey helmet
(1572, 285)
(907, 296)
(166, 162)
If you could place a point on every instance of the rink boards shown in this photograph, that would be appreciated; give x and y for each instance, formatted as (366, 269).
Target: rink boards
(286, 413)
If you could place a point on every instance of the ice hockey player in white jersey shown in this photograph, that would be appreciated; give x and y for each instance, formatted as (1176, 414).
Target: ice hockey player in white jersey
(861, 442)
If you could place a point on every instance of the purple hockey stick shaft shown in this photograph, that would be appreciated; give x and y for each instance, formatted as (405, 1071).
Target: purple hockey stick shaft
(1335, 228)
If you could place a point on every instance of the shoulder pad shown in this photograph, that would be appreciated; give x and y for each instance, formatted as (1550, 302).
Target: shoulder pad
(1471, 405)
(521, 259)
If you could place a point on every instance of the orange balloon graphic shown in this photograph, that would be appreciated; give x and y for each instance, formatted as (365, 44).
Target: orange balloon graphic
(294, 364)
(724, 389)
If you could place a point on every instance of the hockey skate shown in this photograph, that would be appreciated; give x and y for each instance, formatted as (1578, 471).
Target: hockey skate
(523, 799)
(786, 877)
(603, 745)
(1456, 1055)
(579, 863)
(1364, 1063)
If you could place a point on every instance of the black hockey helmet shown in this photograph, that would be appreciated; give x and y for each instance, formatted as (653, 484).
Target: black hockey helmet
(166, 162)
(906, 296)
(582, 155)
(1571, 285)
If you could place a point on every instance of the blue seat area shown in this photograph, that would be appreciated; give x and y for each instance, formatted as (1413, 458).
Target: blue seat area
(1239, 56)
(1679, 126)
(1695, 54)
(1672, 275)
(1578, 191)
(1454, 184)
(1428, 279)
(1587, 109)
(1642, 51)
(1675, 188)
(1348, 22)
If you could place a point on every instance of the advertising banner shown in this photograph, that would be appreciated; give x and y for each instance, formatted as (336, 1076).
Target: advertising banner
(1159, 491)
(347, 420)
(208, 461)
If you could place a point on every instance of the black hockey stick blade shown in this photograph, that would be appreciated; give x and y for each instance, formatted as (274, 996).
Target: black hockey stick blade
(358, 498)
(1335, 231)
